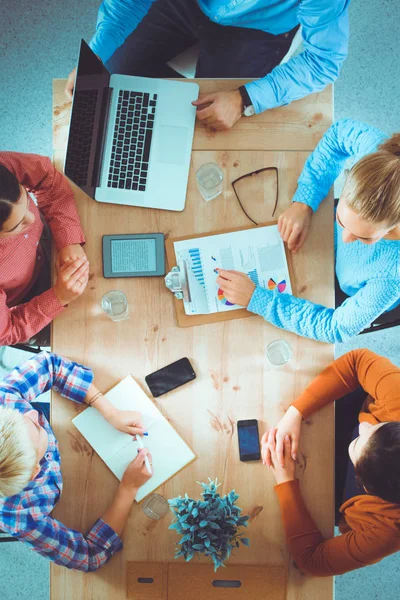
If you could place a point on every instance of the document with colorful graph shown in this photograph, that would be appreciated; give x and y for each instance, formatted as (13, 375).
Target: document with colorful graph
(258, 252)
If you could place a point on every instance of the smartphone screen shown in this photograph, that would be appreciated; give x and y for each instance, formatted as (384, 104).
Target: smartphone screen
(249, 444)
(170, 377)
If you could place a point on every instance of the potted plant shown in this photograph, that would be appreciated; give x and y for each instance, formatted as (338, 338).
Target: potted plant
(209, 526)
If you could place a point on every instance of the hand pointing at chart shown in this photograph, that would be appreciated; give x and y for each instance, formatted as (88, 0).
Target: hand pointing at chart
(237, 287)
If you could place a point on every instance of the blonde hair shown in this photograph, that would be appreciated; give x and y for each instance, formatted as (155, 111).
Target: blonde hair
(372, 187)
(17, 454)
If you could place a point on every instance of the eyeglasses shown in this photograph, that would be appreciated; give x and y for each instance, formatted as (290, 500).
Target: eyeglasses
(253, 174)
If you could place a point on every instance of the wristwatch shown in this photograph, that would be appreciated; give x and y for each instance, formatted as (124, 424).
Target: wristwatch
(248, 108)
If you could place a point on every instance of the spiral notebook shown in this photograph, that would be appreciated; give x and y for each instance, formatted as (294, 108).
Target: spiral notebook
(169, 452)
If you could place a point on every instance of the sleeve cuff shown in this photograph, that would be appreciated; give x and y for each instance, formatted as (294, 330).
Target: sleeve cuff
(306, 195)
(261, 94)
(286, 487)
(77, 383)
(66, 238)
(305, 405)
(103, 535)
(258, 301)
(49, 304)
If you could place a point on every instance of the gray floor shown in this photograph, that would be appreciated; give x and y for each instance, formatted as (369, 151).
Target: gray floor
(40, 42)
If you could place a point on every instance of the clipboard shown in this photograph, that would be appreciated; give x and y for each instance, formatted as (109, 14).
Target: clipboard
(185, 320)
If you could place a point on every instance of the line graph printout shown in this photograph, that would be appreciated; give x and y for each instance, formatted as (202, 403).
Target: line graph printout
(258, 252)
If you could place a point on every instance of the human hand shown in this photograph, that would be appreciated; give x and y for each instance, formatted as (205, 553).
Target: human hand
(127, 421)
(222, 109)
(289, 426)
(237, 287)
(68, 254)
(136, 473)
(72, 280)
(69, 88)
(293, 225)
(282, 473)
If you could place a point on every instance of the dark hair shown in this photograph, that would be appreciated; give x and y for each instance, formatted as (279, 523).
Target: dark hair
(378, 468)
(9, 193)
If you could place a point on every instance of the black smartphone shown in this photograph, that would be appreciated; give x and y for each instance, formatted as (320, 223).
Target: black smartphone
(249, 443)
(170, 377)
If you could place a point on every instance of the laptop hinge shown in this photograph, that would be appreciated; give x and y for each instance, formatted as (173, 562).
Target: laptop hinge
(98, 159)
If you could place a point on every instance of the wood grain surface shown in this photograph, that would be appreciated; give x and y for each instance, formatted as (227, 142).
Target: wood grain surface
(234, 379)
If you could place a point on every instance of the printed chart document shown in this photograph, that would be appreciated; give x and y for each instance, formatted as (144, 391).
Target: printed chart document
(169, 452)
(258, 252)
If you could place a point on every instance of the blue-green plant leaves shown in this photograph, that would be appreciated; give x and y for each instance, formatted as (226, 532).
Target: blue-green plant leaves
(209, 526)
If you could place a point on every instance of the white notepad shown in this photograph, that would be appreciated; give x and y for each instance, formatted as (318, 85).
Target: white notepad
(169, 452)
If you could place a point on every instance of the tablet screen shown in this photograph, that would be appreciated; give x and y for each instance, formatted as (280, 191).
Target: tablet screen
(129, 256)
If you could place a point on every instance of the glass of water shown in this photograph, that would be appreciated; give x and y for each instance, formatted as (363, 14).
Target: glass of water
(279, 352)
(115, 305)
(209, 180)
(155, 507)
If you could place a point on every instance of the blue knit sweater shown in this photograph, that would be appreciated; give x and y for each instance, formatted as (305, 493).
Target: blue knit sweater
(370, 274)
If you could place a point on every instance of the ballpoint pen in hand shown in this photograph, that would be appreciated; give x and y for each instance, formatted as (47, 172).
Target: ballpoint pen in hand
(146, 460)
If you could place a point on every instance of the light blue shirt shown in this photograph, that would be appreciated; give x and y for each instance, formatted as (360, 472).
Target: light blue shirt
(325, 32)
(370, 274)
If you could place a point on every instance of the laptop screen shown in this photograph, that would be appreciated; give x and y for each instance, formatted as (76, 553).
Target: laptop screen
(88, 116)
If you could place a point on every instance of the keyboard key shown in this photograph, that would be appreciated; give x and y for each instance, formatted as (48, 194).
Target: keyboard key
(142, 188)
(147, 145)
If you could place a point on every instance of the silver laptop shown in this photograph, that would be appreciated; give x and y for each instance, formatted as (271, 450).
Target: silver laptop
(130, 138)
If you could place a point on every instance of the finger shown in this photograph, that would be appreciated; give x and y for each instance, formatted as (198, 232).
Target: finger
(204, 99)
(280, 223)
(206, 115)
(68, 268)
(287, 447)
(134, 430)
(80, 273)
(293, 238)
(295, 445)
(300, 240)
(286, 230)
(142, 453)
(279, 450)
(268, 457)
(224, 283)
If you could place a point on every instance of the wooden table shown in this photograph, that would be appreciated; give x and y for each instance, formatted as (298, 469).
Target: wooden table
(234, 379)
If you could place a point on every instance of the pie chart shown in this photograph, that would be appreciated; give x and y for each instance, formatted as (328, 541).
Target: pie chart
(221, 298)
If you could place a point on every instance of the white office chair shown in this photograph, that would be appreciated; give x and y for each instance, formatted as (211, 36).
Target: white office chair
(185, 63)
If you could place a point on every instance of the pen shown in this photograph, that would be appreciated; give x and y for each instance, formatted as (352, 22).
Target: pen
(146, 460)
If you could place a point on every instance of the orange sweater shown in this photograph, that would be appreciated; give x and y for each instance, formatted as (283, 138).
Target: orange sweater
(371, 527)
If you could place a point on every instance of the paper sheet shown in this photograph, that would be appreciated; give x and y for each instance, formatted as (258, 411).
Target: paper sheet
(258, 252)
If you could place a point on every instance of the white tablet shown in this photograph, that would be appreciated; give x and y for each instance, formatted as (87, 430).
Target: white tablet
(133, 255)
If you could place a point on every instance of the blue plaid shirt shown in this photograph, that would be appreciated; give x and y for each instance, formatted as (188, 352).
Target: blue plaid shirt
(26, 516)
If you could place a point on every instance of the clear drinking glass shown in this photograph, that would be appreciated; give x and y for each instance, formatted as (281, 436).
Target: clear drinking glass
(209, 180)
(155, 506)
(279, 352)
(115, 305)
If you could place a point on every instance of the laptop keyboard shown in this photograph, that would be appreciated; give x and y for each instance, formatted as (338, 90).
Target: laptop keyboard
(81, 136)
(129, 164)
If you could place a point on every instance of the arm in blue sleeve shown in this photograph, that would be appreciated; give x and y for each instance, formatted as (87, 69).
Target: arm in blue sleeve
(344, 139)
(69, 548)
(43, 372)
(326, 324)
(116, 19)
(325, 37)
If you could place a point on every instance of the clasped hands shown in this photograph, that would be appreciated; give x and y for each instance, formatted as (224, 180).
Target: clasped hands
(72, 267)
(280, 444)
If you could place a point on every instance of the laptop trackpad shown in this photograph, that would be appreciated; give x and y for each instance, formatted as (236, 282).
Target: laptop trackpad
(171, 147)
